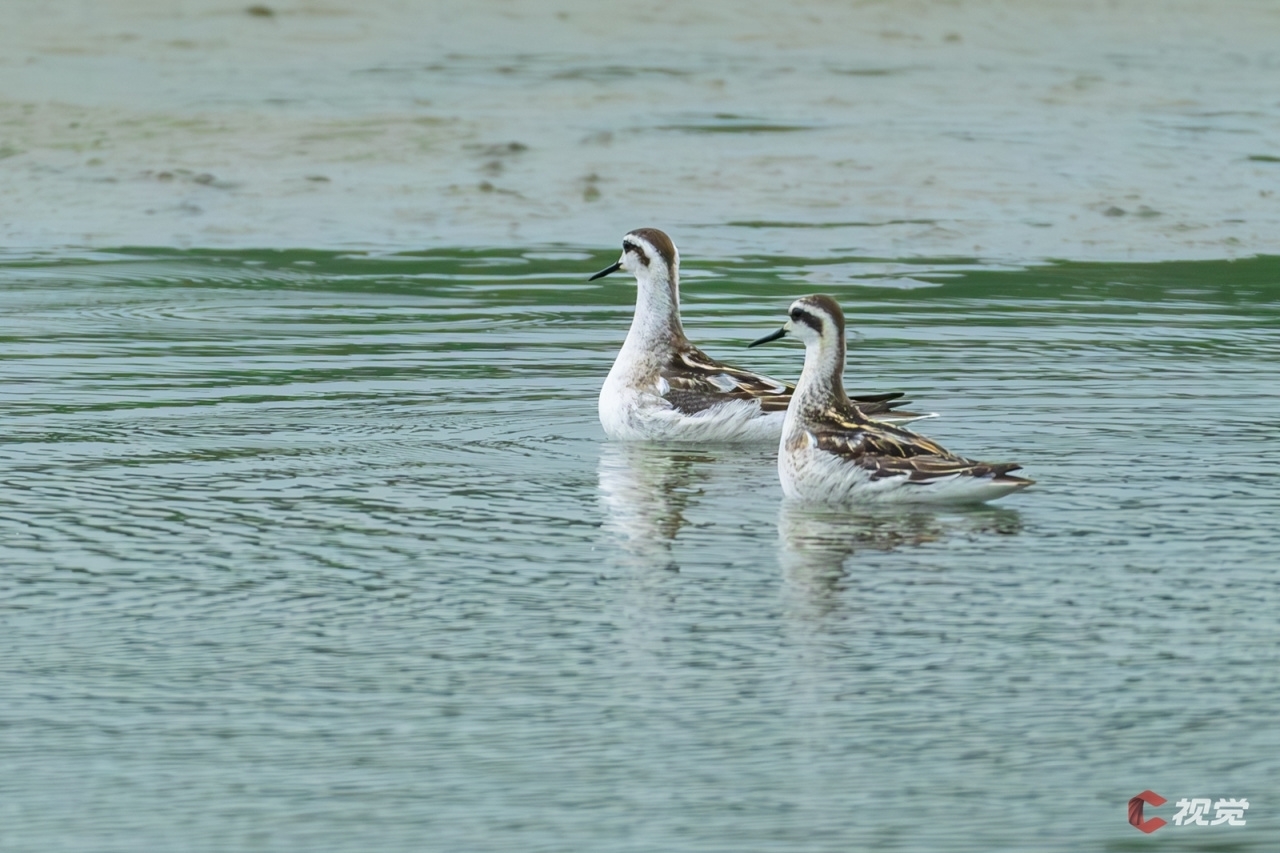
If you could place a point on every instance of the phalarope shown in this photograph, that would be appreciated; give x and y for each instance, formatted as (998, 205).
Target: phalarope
(663, 387)
(832, 453)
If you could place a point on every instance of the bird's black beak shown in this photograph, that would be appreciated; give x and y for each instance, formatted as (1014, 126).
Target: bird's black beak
(772, 336)
(604, 272)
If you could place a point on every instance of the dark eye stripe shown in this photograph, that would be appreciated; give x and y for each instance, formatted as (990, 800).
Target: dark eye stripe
(802, 316)
(639, 253)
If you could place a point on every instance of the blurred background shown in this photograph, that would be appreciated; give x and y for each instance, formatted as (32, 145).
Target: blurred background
(1124, 129)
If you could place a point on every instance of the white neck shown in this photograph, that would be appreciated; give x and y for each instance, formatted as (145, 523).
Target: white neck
(822, 376)
(656, 325)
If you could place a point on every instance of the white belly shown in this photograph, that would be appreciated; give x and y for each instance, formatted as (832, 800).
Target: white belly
(629, 414)
(813, 475)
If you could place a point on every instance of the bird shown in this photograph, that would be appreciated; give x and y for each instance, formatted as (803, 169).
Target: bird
(663, 388)
(830, 452)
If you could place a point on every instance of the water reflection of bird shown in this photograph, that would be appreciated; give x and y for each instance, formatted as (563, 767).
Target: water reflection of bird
(817, 541)
(645, 490)
(832, 453)
(662, 387)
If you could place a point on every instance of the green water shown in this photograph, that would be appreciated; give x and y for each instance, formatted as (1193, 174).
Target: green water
(318, 551)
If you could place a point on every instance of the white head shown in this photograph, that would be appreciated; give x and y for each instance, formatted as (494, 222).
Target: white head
(818, 321)
(650, 255)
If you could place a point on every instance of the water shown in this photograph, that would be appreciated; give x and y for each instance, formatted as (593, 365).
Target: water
(309, 537)
(1147, 130)
(310, 550)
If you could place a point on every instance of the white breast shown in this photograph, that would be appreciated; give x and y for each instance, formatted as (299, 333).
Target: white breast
(631, 413)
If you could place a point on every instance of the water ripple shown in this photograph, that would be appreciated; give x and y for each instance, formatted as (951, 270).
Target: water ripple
(335, 541)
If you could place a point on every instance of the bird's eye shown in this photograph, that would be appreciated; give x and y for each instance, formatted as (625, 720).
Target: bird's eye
(641, 257)
(795, 314)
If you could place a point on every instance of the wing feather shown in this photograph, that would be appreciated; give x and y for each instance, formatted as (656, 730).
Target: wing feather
(888, 451)
(695, 382)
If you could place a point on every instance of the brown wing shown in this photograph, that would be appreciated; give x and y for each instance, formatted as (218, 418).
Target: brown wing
(696, 382)
(887, 451)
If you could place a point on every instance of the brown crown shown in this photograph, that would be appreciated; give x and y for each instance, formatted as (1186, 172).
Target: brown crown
(826, 304)
(659, 241)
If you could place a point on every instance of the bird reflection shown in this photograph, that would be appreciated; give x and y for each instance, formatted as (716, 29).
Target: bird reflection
(818, 541)
(646, 490)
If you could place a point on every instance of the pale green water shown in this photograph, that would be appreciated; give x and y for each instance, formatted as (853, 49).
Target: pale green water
(328, 552)
(319, 551)
(1043, 128)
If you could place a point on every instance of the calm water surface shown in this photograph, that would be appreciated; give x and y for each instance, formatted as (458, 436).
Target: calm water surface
(328, 552)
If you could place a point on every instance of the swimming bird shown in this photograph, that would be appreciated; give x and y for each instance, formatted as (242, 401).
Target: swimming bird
(832, 453)
(662, 387)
